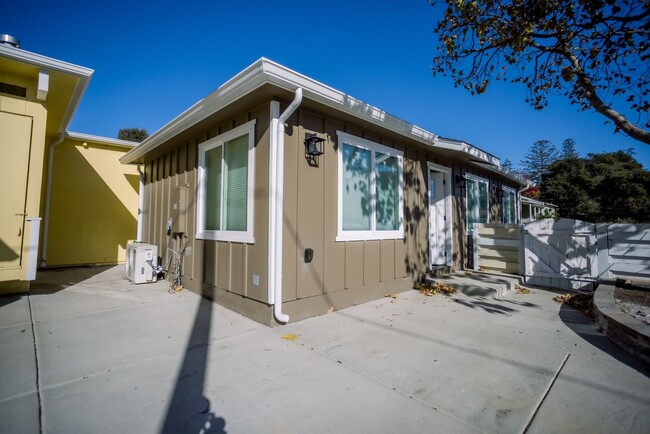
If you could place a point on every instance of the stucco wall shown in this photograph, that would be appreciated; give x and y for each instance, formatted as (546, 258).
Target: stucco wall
(24, 121)
(94, 204)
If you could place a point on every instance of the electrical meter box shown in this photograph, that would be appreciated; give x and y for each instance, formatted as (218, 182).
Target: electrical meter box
(141, 261)
(178, 210)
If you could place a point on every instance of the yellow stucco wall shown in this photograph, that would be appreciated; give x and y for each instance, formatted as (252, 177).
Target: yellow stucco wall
(30, 133)
(94, 204)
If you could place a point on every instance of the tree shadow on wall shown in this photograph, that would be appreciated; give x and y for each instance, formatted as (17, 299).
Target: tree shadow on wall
(416, 217)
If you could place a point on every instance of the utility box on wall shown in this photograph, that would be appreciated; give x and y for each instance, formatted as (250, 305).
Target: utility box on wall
(179, 210)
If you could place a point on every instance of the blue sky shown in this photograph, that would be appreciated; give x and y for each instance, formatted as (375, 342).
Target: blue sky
(152, 60)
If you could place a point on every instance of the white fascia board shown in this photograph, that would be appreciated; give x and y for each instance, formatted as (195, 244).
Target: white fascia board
(101, 139)
(288, 79)
(240, 85)
(263, 72)
(48, 64)
(44, 62)
(511, 176)
(531, 201)
(471, 150)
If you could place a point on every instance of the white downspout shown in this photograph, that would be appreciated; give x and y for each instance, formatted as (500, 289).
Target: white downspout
(140, 203)
(48, 197)
(276, 203)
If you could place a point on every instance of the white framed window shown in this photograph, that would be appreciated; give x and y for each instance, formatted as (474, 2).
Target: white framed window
(478, 202)
(370, 190)
(509, 205)
(226, 186)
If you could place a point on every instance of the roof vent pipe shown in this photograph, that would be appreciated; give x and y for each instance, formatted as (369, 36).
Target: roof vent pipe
(9, 40)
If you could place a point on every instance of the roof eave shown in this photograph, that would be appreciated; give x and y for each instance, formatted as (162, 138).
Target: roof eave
(82, 73)
(100, 139)
(263, 72)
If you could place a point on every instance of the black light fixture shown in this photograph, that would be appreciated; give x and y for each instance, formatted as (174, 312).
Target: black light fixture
(314, 145)
(461, 182)
(500, 192)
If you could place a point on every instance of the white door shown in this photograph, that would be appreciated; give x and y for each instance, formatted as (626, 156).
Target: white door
(440, 223)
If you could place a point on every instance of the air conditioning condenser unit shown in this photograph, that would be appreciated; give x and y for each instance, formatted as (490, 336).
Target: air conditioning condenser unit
(141, 262)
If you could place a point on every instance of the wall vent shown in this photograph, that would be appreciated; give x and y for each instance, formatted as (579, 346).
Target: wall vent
(13, 89)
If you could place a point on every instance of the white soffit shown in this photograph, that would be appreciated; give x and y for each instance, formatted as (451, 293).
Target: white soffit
(48, 64)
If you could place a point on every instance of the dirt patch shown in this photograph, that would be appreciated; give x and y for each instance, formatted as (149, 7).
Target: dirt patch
(633, 298)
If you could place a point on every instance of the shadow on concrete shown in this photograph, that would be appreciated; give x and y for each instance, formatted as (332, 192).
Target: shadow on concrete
(50, 281)
(587, 329)
(10, 298)
(480, 303)
(189, 410)
(489, 357)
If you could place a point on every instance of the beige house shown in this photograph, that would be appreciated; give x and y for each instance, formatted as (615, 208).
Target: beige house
(66, 198)
(269, 226)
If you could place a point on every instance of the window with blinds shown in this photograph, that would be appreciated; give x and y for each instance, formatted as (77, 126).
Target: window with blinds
(225, 189)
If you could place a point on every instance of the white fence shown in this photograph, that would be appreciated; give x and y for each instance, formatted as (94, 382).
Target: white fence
(624, 251)
(566, 254)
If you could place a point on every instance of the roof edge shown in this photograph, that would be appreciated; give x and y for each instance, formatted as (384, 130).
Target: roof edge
(44, 62)
(101, 139)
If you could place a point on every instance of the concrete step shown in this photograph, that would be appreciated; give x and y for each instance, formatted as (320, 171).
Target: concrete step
(481, 284)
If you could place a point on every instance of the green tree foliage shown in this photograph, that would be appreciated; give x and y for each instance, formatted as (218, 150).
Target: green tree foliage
(538, 159)
(594, 52)
(132, 134)
(507, 165)
(607, 187)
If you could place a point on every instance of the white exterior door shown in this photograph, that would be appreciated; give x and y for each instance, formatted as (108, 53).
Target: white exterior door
(440, 223)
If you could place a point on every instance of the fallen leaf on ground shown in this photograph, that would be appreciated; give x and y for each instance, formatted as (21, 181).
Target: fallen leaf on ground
(583, 302)
(432, 288)
(330, 310)
(391, 295)
(290, 337)
(521, 290)
(468, 273)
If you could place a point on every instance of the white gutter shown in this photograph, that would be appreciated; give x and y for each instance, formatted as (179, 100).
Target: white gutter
(140, 203)
(276, 203)
(48, 198)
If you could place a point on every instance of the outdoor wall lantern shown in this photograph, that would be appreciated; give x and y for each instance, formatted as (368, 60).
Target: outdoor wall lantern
(313, 148)
(461, 181)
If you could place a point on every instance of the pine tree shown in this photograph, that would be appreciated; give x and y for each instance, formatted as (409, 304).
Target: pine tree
(569, 149)
(538, 159)
(132, 134)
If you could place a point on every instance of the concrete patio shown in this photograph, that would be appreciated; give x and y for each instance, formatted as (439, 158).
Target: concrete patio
(89, 352)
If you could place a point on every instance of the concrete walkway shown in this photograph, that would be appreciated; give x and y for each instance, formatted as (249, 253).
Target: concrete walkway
(114, 357)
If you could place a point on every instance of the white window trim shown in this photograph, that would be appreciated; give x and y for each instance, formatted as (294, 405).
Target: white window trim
(371, 234)
(479, 179)
(224, 235)
(507, 190)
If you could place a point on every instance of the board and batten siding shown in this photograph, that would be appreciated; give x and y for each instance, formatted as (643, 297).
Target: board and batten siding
(341, 273)
(228, 266)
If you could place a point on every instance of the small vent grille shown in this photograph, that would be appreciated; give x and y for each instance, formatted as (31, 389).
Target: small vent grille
(13, 89)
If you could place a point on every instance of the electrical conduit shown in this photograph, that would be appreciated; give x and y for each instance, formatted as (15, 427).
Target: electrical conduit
(276, 203)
